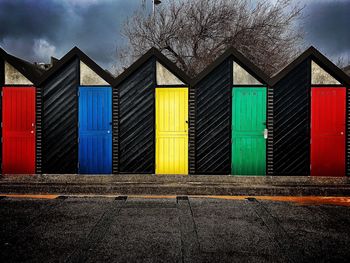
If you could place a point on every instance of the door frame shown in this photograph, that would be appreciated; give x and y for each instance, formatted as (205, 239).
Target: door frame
(78, 128)
(155, 121)
(315, 86)
(36, 111)
(267, 123)
(266, 113)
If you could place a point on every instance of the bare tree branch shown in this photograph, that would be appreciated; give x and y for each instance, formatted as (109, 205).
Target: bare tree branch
(193, 33)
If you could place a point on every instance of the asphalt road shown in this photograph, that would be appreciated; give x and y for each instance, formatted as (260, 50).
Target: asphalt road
(139, 229)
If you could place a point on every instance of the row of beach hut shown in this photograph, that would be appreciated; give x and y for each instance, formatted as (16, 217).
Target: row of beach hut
(76, 118)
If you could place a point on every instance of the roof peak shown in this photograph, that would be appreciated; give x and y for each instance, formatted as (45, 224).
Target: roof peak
(320, 59)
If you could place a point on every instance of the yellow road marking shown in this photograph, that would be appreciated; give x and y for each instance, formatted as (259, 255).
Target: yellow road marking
(31, 196)
(301, 200)
(153, 196)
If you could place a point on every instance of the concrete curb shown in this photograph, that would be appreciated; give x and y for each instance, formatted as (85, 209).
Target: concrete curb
(147, 178)
(175, 185)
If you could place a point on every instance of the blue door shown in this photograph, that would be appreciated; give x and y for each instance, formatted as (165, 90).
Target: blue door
(95, 130)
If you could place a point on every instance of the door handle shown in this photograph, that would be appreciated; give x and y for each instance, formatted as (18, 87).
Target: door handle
(341, 133)
(108, 131)
(187, 122)
(266, 133)
(31, 131)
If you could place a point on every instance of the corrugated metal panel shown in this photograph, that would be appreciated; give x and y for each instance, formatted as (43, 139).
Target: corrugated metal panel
(191, 129)
(18, 130)
(291, 149)
(59, 121)
(213, 113)
(136, 121)
(269, 150)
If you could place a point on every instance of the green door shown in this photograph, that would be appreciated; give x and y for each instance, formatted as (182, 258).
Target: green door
(248, 131)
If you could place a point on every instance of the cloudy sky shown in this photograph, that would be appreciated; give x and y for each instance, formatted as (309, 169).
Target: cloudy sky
(38, 29)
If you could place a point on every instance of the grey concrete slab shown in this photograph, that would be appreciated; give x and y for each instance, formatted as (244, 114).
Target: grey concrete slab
(145, 231)
(316, 230)
(18, 214)
(83, 251)
(57, 234)
(167, 230)
(189, 233)
(231, 226)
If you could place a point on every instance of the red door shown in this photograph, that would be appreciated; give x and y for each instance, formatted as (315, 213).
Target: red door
(328, 131)
(18, 127)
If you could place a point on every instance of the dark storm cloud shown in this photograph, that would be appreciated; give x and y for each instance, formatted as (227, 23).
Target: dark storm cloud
(29, 18)
(34, 29)
(327, 26)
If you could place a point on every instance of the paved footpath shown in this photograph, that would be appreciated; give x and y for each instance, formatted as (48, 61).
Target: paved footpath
(175, 185)
(52, 228)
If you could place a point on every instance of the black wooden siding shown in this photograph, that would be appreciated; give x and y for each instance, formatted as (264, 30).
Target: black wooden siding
(213, 123)
(136, 121)
(291, 127)
(59, 121)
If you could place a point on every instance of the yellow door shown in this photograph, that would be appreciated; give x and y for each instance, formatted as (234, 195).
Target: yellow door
(171, 130)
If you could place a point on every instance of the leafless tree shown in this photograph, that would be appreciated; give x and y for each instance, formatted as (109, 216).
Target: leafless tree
(193, 33)
(342, 61)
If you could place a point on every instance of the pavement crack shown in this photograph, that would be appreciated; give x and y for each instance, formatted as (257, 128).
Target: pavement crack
(277, 231)
(96, 234)
(190, 250)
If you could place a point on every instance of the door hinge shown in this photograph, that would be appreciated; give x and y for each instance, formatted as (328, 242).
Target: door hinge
(1, 124)
(78, 165)
(78, 139)
(78, 93)
(2, 93)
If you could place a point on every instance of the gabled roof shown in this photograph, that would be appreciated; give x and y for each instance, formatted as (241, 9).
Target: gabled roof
(241, 60)
(153, 53)
(320, 59)
(77, 53)
(29, 70)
